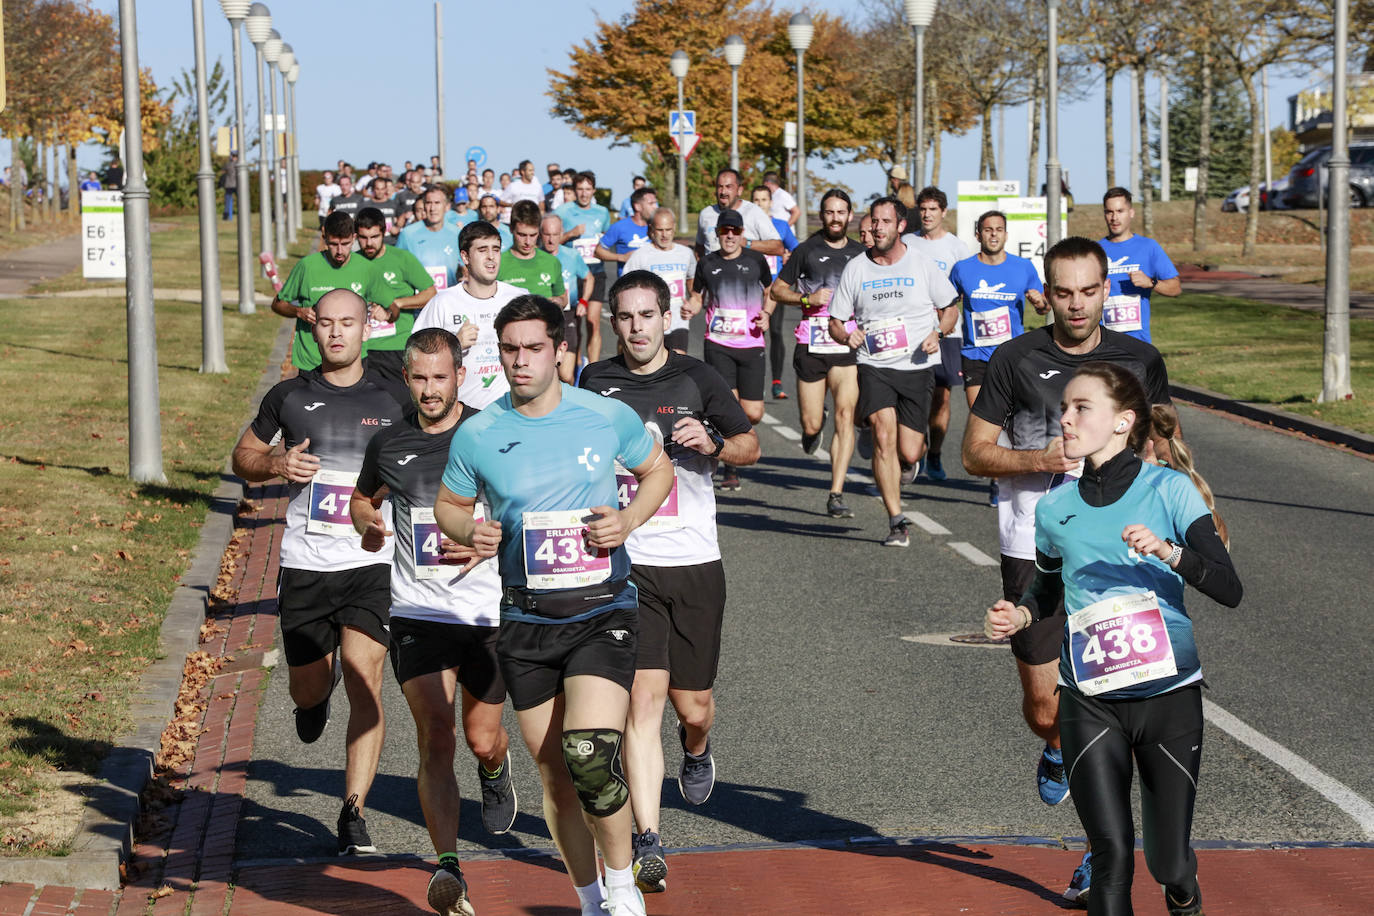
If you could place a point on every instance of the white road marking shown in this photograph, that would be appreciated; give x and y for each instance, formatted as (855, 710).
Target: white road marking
(926, 523)
(971, 553)
(788, 433)
(771, 420)
(1336, 792)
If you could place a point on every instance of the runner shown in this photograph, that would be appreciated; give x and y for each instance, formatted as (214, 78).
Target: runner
(400, 288)
(545, 456)
(333, 595)
(616, 245)
(732, 283)
(1014, 435)
(994, 287)
(677, 565)
(443, 617)
(580, 283)
(433, 240)
(946, 249)
(347, 200)
(1137, 267)
(523, 187)
(1116, 550)
(899, 301)
(525, 265)
(489, 211)
(316, 274)
(759, 231)
(822, 364)
(783, 205)
(762, 198)
(676, 265)
(866, 231)
(584, 222)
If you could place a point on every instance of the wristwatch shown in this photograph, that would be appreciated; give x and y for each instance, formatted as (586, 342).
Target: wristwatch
(1175, 554)
(718, 439)
(805, 301)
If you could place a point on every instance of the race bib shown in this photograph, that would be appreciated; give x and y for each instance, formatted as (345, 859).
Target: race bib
(992, 327)
(727, 322)
(586, 246)
(439, 275)
(330, 492)
(887, 338)
(556, 552)
(626, 486)
(379, 329)
(818, 338)
(426, 544)
(1122, 313)
(677, 291)
(1119, 642)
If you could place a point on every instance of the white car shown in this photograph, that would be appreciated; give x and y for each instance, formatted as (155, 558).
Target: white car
(1239, 199)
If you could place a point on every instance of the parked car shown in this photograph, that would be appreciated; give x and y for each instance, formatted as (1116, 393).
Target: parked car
(1307, 180)
(1270, 198)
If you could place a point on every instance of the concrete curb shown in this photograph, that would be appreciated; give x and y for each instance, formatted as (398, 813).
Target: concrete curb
(1260, 413)
(105, 833)
(228, 296)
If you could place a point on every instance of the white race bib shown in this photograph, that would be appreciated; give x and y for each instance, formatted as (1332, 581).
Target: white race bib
(887, 338)
(556, 552)
(379, 329)
(439, 275)
(1122, 313)
(729, 322)
(1119, 642)
(818, 338)
(991, 327)
(330, 493)
(586, 246)
(626, 486)
(426, 543)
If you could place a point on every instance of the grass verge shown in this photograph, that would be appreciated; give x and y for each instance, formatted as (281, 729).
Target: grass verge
(1268, 354)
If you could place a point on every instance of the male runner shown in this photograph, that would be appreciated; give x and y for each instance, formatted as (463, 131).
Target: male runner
(762, 198)
(325, 192)
(759, 232)
(1020, 399)
(808, 279)
(677, 565)
(333, 595)
(469, 310)
(900, 303)
(400, 288)
(580, 283)
(545, 456)
(412, 188)
(489, 211)
(946, 249)
(866, 231)
(616, 245)
(1137, 267)
(523, 187)
(379, 197)
(994, 287)
(434, 240)
(627, 205)
(584, 222)
(525, 265)
(732, 283)
(316, 274)
(676, 265)
(348, 199)
(444, 616)
(783, 205)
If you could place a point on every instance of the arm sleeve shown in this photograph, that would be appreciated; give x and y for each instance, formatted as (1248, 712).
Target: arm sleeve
(415, 274)
(701, 232)
(762, 225)
(1205, 564)
(1046, 589)
(942, 292)
(636, 445)
(612, 236)
(720, 406)
(556, 286)
(429, 315)
(765, 273)
(291, 289)
(267, 423)
(1157, 380)
(369, 480)
(1164, 268)
(458, 474)
(791, 269)
(789, 241)
(698, 279)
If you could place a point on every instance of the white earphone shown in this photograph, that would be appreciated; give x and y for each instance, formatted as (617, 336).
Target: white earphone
(1121, 427)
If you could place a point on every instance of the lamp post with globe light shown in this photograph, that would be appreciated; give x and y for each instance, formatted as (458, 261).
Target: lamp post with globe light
(211, 320)
(799, 32)
(258, 25)
(284, 64)
(677, 65)
(1053, 228)
(236, 11)
(734, 56)
(271, 52)
(291, 78)
(919, 13)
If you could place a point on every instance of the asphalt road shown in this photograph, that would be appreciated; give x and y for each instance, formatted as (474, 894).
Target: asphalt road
(844, 712)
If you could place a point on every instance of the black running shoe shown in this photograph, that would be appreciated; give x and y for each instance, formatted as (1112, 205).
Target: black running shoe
(650, 867)
(836, 508)
(448, 891)
(697, 777)
(310, 722)
(499, 803)
(810, 442)
(1191, 904)
(353, 838)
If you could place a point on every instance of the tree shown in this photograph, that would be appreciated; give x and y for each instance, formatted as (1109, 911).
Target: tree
(1229, 133)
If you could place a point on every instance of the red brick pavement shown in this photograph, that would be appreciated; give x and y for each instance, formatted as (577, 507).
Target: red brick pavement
(185, 865)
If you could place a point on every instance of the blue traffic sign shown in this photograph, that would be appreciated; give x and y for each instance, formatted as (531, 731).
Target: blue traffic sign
(682, 122)
(477, 154)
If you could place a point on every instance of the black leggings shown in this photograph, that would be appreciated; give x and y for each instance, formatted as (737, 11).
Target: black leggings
(777, 348)
(1164, 734)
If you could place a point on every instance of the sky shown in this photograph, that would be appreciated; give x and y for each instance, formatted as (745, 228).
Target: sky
(385, 109)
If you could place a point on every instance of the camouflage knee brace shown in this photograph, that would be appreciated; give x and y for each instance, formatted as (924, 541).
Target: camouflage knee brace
(593, 759)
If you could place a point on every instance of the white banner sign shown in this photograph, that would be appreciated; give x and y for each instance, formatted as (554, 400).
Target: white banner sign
(975, 199)
(102, 235)
(1027, 227)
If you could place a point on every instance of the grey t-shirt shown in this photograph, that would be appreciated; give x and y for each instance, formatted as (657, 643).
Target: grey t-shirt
(896, 306)
(946, 251)
(757, 225)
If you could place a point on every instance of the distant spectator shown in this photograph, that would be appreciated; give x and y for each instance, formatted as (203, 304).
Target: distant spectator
(92, 182)
(229, 181)
(627, 206)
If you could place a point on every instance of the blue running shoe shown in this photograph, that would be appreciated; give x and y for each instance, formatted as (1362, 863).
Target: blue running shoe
(934, 470)
(992, 493)
(1081, 882)
(1050, 777)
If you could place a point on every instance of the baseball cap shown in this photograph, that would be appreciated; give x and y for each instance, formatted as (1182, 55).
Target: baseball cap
(898, 172)
(730, 218)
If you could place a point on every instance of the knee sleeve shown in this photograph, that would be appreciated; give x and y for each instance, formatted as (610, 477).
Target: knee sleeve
(593, 759)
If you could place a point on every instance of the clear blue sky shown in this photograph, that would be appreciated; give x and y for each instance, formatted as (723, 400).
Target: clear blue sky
(366, 90)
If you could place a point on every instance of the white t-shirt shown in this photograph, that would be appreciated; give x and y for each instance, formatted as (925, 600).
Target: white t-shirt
(896, 306)
(326, 193)
(783, 202)
(449, 309)
(362, 183)
(758, 227)
(519, 189)
(676, 266)
(946, 251)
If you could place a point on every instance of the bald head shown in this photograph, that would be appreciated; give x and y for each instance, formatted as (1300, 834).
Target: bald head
(339, 302)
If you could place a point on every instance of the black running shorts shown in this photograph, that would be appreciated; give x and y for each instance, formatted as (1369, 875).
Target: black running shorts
(975, 370)
(536, 657)
(1039, 643)
(314, 605)
(681, 610)
(677, 340)
(813, 367)
(420, 647)
(948, 371)
(907, 390)
(741, 367)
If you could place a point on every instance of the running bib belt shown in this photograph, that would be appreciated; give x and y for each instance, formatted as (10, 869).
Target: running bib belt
(556, 551)
(887, 337)
(818, 338)
(627, 485)
(1119, 642)
(330, 493)
(427, 543)
(992, 327)
(1122, 313)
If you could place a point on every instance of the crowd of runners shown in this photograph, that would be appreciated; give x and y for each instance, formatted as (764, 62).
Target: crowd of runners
(481, 497)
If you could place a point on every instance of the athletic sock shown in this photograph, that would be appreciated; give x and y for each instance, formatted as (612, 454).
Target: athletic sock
(895, 520)
(492, 774)
(591, 896)
(619, 878)
(448, 858)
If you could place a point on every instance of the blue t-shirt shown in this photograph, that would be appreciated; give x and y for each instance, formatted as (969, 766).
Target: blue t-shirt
(574, 269)
(462, 219)
(789, 242)
(563, 461)
(626, 208)
(596, 218)
(1098, 565)
(90, 184)
(625, 236)
(437, 251)
(993, 299)
(1128, 307)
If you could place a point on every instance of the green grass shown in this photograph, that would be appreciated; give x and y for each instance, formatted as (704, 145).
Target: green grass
(1268, 354)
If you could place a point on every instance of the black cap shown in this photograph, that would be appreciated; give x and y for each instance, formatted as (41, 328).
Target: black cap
(730, 218)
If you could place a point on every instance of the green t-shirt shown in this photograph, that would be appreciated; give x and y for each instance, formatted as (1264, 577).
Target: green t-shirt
(311, 278)
(541, 275)
(395, 273)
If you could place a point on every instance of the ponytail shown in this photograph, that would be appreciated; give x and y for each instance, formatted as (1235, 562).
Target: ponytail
(1164, 421)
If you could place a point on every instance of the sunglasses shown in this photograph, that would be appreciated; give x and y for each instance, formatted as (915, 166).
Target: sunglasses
(729, 230)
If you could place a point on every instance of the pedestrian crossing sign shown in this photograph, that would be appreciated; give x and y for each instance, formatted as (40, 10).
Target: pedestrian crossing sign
(682, 122)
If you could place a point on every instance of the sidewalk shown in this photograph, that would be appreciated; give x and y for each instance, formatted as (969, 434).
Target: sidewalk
(187, 861)
(1310, 297)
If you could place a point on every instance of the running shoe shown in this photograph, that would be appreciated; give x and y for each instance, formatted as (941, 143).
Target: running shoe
(624, 903)
(778, 393)
(729, 478)
(921, 467)
(1191, 905)
(1081, 882)
(835, 507)
(908, 475)
(898, 536)
(1050, 777)
(310, 722)
(353, 838)
(934, 470)
(811, 443)
(863, 442)
(697, 777)
(650, 868)
(448, 892)
(499, 803)
(992, 493)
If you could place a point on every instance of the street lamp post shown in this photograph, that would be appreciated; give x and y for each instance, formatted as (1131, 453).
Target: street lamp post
(439, 80)
(1052, 227)
(258, 24)
(677, 65)
(919, 13)
(236, 11)
(145, 423)
(799, 32)
(284, 65)
(295, 140)
(211, 319)
(734, 56)
(271, 52)
(1336, 344)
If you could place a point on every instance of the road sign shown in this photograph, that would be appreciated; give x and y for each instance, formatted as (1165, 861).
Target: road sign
(688, 144)
(975, 198)
(789, 135)
(102, 234)
(682, 122)
(477, 154)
